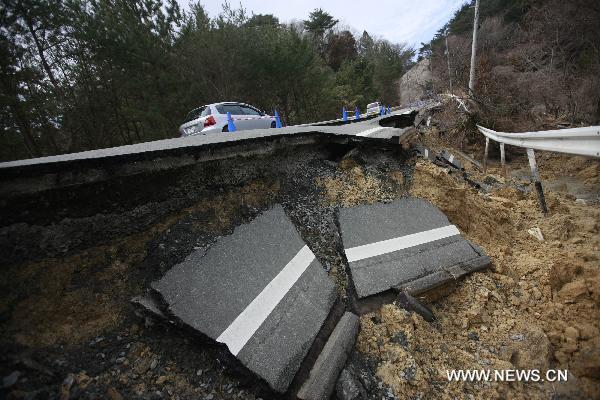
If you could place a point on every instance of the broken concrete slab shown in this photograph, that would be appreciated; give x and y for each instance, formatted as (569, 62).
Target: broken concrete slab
(451, 159)
(332, 359)
(260, 291)
(425, 152)
(389, 246)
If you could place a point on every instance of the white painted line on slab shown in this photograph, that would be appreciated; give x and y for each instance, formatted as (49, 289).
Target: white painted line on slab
(399, 243)
(243, 327)
(370, 131)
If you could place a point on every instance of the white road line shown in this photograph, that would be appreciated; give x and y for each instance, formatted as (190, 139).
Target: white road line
(247, 323)
(370, 131)
(399, 243)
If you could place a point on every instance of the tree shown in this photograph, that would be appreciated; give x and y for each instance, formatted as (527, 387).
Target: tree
(341, 47)
(262, 20)
(365, 44)
(85, 74)
(318, 24)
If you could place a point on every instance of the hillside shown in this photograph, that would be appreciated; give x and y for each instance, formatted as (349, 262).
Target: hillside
(538, 63)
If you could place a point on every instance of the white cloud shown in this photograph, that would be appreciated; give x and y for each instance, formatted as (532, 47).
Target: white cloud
(410, 21)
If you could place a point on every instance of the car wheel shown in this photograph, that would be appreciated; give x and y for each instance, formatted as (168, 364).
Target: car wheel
(226, 128)
(273, 125)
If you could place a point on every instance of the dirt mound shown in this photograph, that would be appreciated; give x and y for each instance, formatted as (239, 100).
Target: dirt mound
(537, 307)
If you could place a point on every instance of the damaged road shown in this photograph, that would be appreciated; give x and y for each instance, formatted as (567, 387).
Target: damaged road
(262, 293)
(218, 233)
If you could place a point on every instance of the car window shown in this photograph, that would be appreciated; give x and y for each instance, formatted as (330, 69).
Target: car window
(194, 114)
(234, 109)
(205, 112)
(373, 105)
(249, 110)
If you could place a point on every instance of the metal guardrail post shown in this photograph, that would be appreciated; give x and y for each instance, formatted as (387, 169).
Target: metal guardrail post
(535, 176)
(503, 160)
(485, 154)
(584, 141)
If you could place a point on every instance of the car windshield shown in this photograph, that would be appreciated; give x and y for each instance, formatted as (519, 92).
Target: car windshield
(197, 113)
(372, 105)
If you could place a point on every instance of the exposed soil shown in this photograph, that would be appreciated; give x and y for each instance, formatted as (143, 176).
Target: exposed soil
(68, 328)
(537, 307)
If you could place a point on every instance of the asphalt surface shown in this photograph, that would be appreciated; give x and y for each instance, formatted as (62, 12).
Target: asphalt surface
(259, 290)
(370, 128)
(392, 244)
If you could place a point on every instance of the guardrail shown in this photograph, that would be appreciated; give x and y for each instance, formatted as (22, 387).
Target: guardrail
(579, 141)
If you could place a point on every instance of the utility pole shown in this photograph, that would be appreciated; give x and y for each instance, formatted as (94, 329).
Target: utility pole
(448, 58)
(473, 51)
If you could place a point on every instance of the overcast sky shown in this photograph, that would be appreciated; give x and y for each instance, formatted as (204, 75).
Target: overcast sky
(410, 21)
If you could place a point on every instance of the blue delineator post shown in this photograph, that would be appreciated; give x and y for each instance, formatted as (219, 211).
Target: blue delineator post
(381, 110)
(357, 113)
(230, 124)
(344, 114)
(277, 120)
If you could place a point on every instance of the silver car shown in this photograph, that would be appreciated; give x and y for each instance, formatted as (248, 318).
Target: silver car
(213, 118)
(373, 108)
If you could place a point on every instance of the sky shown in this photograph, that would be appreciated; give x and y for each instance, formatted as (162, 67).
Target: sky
(399, 21)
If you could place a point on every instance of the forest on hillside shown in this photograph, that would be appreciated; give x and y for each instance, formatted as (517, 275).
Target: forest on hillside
(86, 74)
(538, 64)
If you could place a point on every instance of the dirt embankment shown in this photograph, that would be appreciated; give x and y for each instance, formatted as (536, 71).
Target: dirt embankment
(536, 308)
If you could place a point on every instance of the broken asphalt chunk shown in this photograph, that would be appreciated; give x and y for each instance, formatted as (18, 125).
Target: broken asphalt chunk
(260, 291)
(405, 245)
(331, 361)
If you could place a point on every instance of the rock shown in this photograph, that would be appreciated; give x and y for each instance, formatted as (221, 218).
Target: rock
(65, 388)
(112, 394)
(530, 347)
(400, 338)
(536, 293)
(349, 388)
(581, 201)
(573, 291)
(519, 337)
(569, 346)
(161, 379)
(587, 363)
(142, 365)
(473, 336)
(536, 233)
(571, 333)
(561, 357)
(154, 364)
(588, 331)
(82, 380)
(10, 379)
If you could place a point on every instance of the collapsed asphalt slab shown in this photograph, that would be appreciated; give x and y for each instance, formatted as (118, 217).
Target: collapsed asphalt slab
(392, 246)
(332, 359)
(260, 291)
